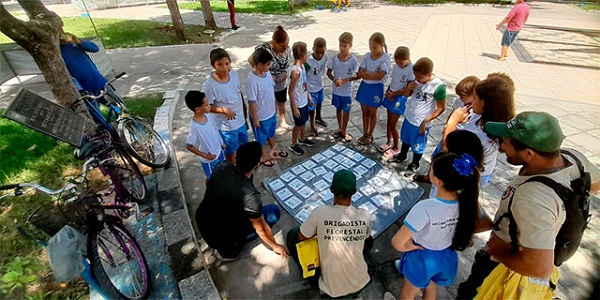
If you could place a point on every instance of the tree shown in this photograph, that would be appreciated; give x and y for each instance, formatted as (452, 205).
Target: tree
(209, 18)
(176, 18)
(40, 37)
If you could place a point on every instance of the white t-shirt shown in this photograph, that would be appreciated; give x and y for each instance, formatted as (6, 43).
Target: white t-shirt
(422, 102)
(300, 91)
(314, 75)
(401, 76)
(260, 90)
(381, 64)
(226, 94)
(433, 222)
(205, 137)
(490, 147)
(343, 69)
(341, 232)
(537, 209)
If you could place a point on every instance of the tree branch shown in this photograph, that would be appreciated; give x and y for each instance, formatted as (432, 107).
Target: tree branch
(11, 26)
(33, 8)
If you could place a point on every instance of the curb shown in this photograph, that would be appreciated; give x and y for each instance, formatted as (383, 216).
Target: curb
(187, 262)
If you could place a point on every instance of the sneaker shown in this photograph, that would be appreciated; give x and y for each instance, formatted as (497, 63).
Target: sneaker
(306, 142)
(411, 170)
(296, 149)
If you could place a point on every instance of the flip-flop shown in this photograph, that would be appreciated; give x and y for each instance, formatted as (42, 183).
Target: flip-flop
(268, 163)
(313, 134)
(321, 122)
(347, 138)
(390, 153)
(337, 135)
(384, 147)
(282, 153)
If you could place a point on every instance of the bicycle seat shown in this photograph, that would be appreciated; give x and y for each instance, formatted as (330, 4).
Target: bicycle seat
(87, 149)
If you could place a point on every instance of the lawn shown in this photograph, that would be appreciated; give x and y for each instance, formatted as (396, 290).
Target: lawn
(119, 33)
(276, 7)
(418, 2)
(29, 156)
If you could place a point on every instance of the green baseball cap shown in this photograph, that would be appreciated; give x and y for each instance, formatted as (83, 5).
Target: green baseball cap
(537, 130)
(343, 183)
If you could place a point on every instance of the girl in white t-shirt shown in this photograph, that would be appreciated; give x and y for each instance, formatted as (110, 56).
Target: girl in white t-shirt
(436, 228)
(373, 71)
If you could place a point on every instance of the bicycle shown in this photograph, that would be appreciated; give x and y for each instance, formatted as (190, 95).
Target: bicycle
(116, 259)
(136, 135)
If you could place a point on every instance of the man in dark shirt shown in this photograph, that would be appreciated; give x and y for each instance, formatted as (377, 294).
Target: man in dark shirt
(231, 213)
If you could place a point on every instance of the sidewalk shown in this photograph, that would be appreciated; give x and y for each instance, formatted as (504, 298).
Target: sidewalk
(461, 40)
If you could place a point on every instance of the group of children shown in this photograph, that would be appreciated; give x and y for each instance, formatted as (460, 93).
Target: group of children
(465, 157)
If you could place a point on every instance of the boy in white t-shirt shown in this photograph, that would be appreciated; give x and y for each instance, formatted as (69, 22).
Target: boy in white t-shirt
(203, 139)
(261, 105)
(315, 68)
(299, 99)
(341, 69)
(427, 102)
(222, 89)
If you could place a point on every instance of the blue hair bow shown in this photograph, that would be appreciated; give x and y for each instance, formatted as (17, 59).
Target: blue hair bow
(464, 165)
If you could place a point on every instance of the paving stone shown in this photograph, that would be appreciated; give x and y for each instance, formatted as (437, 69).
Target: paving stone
(198, 286)
(177, 226)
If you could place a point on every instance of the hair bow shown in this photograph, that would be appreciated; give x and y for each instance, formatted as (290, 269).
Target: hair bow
(464, 165)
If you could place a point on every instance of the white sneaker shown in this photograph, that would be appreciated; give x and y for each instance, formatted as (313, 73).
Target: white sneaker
(388, 296)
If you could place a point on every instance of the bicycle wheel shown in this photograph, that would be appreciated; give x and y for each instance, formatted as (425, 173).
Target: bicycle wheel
(144, 143)
(127, 178)
(118, 262)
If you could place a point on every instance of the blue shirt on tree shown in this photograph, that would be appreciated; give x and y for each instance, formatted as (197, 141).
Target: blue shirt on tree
(81, 67)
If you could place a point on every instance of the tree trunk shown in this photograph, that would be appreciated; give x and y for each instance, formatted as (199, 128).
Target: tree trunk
(291, 6)
(177, 20)
(40, 37)
(209, 18)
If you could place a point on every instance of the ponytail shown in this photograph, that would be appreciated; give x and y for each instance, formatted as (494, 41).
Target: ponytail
(460, 174)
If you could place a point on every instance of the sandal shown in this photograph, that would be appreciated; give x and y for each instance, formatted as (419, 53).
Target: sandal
(281, 153)
(347, 138)
(337, 135)
(313, 133)
(321, 122)
(365, 140)
(384, 148)
(390, 153)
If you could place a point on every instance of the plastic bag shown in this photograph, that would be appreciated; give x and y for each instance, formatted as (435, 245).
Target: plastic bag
(65, 250)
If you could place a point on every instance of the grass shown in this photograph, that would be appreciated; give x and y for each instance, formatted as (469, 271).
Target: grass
(589, 6)
(275, 7)
(119, 33)
(29, 156)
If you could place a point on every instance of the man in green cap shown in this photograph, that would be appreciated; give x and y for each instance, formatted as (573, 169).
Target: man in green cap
(531, 140)
(341, 231)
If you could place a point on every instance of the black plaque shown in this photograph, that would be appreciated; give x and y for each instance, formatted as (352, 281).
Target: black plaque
(43, 115)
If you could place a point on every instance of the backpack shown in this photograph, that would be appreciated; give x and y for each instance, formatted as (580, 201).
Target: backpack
(577, 206)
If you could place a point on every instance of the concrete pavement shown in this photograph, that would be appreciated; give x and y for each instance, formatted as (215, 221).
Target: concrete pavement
(461, 40)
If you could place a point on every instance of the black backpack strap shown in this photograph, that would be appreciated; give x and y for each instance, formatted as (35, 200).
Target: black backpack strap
(577, 161)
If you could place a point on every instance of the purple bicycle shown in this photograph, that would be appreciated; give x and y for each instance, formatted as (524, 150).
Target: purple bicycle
(116, 260)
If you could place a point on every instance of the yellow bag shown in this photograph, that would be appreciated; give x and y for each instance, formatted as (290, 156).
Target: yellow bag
(308, 255)
(504, 283)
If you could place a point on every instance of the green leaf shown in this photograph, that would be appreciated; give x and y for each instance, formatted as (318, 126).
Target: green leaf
(29, 279)
(11, 276)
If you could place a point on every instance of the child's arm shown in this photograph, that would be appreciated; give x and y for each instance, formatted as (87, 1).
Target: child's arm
(440, 106)
(364, 74)
(459, 115)
(294, 80)
(330, 74)
(403, 242)
(195, 150)
(222, 110)
(254, 114)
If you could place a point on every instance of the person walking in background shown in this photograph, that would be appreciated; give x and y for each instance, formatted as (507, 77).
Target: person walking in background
(515, 19)
(231, 7)
(279, 48)
(80, 65)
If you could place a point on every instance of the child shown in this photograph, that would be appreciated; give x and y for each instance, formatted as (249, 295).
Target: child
(464, 90)
(492, 101)
(204, 139)
(429, 244)
(222, 89)
(261, 104)
(395, 100)
(427, 102)
(341, 69)
(373, 71)
(315, 68)
(299, 98)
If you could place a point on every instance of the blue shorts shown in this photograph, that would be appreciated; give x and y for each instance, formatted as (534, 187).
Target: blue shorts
(303, 116)
(410, 134)
(317, 98)
(370, 94)
(343, 103)
(422, 266)
(265, 131)
(209, 167)
(272, 214)
(509, 37)
(233, 139)
(398, 106)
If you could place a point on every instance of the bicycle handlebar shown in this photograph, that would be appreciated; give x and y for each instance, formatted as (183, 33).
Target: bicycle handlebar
(103, 92)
